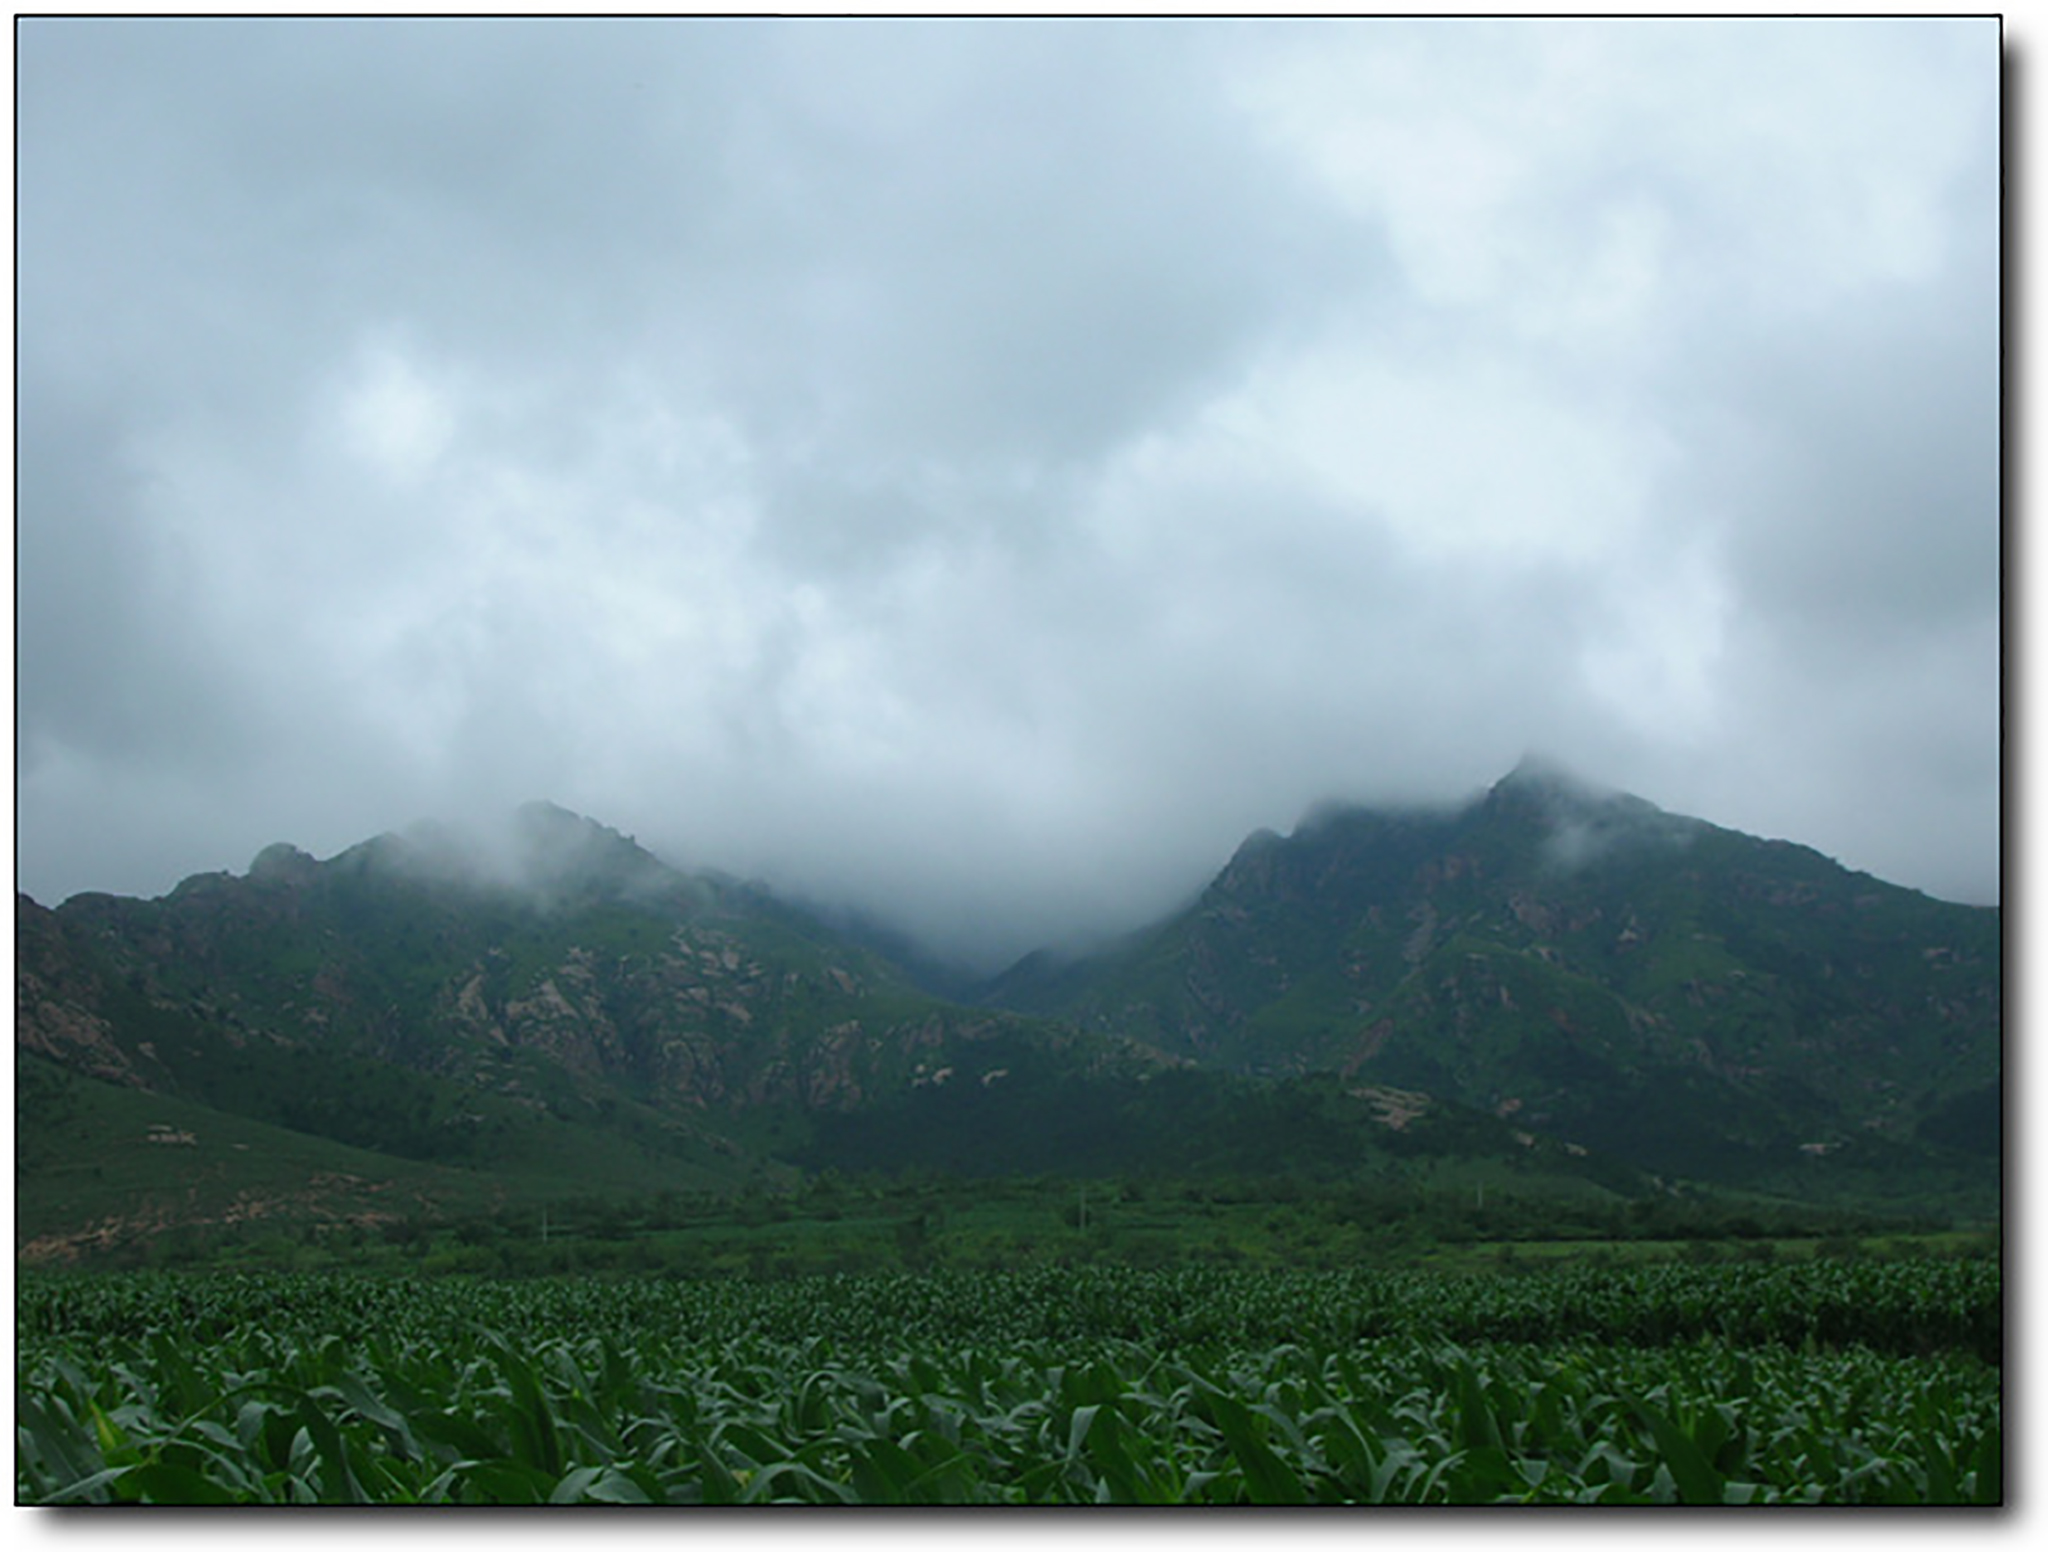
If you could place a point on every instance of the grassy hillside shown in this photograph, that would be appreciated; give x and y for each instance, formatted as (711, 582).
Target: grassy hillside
(102, 1166)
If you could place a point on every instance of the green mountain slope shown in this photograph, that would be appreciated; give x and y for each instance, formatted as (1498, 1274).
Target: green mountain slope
(579, 965)
(1569, 981)
(1692, 999)
(553, 1008)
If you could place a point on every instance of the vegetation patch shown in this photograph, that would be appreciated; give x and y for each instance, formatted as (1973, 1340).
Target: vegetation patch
(1830, 1384)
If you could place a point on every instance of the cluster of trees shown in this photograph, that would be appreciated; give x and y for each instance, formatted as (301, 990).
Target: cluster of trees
(875, 1223)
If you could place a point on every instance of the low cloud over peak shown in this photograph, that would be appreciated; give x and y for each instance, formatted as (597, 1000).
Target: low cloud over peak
(989, 468)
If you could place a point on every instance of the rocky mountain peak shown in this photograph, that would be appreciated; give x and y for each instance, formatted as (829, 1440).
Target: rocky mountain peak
(1571, 811)
(557, 852)
(282, 863)
(1537, 778)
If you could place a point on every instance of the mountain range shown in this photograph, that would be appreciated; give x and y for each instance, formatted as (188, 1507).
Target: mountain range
(1550, 971)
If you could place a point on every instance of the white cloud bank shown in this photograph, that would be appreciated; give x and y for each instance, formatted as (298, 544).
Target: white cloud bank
(984, 469)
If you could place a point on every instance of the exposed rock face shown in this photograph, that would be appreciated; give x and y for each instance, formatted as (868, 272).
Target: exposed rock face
(68, 1034)
(56, 1002)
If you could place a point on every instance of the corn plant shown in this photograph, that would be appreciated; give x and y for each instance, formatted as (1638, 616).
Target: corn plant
(1695, 1386)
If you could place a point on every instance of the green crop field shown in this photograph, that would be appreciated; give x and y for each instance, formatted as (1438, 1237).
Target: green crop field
(1814, 1382)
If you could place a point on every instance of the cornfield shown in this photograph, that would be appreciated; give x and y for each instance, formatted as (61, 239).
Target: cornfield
(1874, 1383)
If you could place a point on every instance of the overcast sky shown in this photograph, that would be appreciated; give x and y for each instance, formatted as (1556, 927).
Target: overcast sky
(982, 470)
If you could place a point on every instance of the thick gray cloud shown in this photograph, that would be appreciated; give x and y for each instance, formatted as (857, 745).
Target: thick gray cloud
(979, 471)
